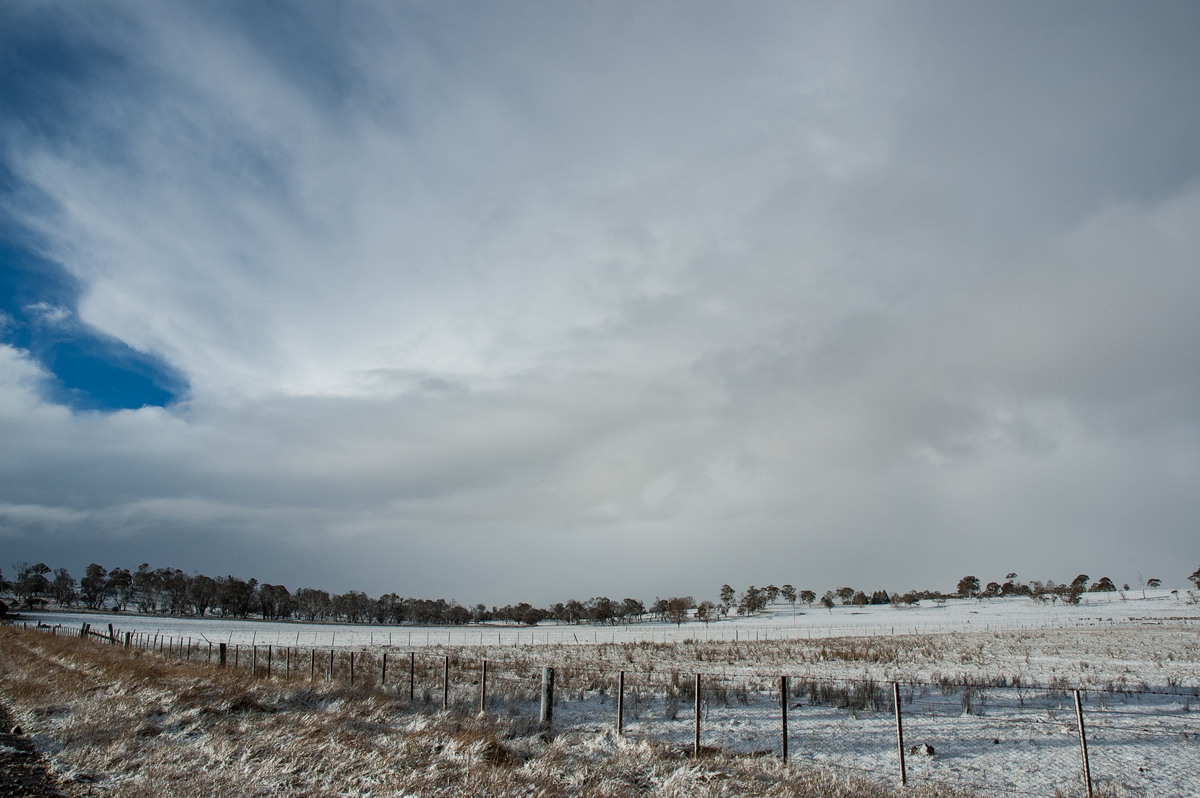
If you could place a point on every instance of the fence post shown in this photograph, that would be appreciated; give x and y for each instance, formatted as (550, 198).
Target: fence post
(83, 632)
(446, 682)
(351, 668)
(412, 676)
(312, 664)
(783, 707)
(621, 703)
(546, 715)
(270, 657)
(254, 660)
(1087, 768)
(696, 702)
(483, 689)
(383, 671)
(899, 732)
(128, 639)
(331, 664)
(223, 655)
(287, 663)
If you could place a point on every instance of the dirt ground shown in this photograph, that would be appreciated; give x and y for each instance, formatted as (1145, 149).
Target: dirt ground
(23, 771)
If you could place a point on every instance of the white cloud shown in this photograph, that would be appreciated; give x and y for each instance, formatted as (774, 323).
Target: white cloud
(573, 283)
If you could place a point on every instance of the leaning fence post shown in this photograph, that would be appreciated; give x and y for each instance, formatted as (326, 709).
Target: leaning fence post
(783, 702)
(547, 709)
(223, 655)
(899, 732)
(696, 702)
(621, 703)
(383, 671)
(1087, 768)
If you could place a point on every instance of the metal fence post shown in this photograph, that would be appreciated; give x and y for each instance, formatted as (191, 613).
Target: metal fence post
(621, 703)
(899, 732)
(783, 709)
(696, 703)
(483, 688)
(446, 682)
(1087, 768)
(546, 716)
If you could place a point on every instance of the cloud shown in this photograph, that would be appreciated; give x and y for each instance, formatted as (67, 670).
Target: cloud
(460, 293)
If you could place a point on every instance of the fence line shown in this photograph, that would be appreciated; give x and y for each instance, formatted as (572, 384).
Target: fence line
(835, 721)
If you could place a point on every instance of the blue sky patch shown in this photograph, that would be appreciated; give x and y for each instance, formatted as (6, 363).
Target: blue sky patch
(92, 371)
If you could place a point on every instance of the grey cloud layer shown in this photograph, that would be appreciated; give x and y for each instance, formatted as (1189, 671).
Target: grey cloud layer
(863, 289)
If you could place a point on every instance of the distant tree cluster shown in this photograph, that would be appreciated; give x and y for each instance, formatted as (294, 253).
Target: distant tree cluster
(170, 591)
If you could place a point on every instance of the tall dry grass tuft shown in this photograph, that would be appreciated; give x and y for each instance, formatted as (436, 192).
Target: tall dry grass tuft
(133, 724)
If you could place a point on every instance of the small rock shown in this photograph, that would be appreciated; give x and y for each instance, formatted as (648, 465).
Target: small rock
(995, 742)
(924, 749)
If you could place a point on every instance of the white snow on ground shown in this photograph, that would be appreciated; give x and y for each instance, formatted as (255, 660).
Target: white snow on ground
(778, 623)
(1137, 660)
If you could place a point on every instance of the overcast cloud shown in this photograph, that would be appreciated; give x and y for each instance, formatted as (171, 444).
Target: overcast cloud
(529, 301)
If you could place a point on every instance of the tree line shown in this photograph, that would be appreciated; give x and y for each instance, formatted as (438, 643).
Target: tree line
(170, 591)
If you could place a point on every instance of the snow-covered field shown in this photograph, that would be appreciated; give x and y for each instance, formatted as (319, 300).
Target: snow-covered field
(780, 622)
(988, 685)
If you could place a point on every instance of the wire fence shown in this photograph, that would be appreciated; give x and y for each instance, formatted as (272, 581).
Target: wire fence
(999, 736)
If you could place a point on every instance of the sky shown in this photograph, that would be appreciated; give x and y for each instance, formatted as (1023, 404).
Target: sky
(530, 301)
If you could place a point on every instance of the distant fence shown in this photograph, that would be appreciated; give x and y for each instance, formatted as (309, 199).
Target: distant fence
(997, 736)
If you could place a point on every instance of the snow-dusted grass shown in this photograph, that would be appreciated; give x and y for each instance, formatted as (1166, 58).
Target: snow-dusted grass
(122, 723)
(989, 685)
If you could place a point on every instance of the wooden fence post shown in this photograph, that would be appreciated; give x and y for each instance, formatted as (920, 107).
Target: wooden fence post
(899, 732)
(412, 676)
(546, 716)
(331, 664)
(696, 702)
(351, 668)
(223, 654)
(621, 703)
(445, 682)
(783, 708)
(1087, 768)
(270, 657)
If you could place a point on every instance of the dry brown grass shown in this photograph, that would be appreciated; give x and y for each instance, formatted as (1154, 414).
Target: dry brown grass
(129, 723)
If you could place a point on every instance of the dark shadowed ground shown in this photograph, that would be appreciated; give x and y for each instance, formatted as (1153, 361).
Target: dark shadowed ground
(23, 771)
